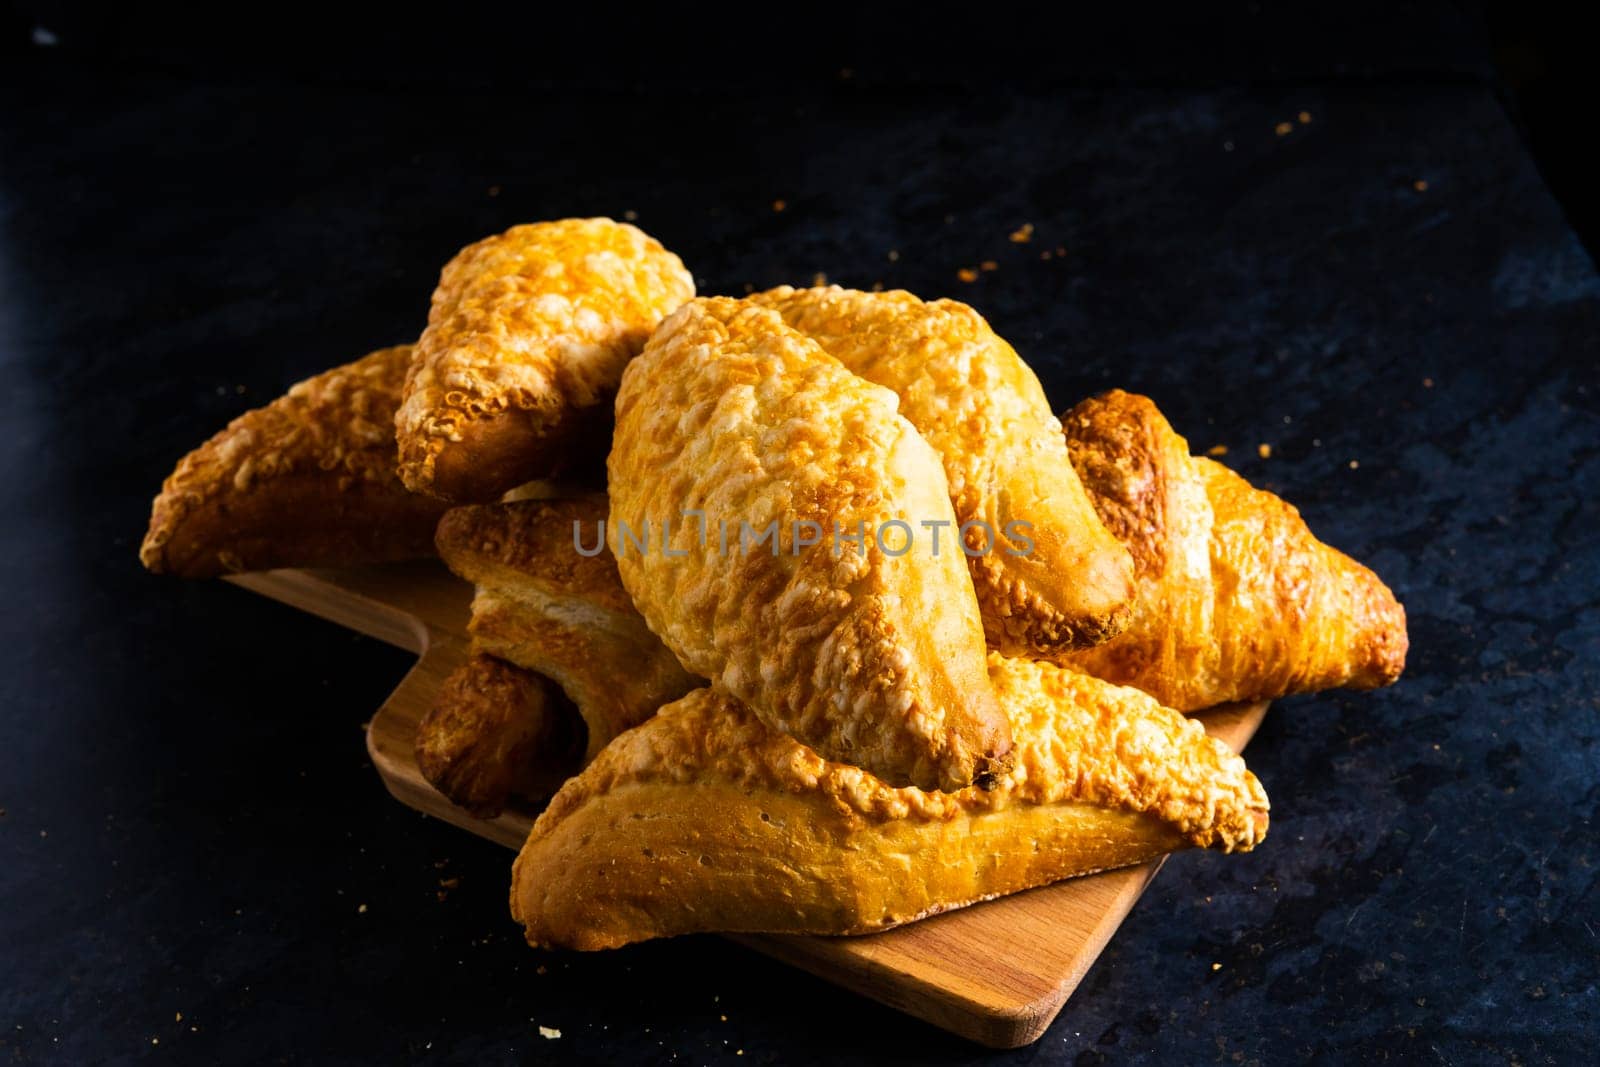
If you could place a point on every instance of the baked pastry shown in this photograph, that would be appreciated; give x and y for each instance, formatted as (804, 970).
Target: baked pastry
(1049, 577)
(869, 651)
(307, 481)
(526, 339)
(546, 607)
(1237, 599)
(498, 733)
(705, 819)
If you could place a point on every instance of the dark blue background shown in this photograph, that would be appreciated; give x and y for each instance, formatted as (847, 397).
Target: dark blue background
(190, 822)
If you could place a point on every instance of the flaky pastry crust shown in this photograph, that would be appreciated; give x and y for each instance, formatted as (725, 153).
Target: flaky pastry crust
(498, 733)
(705, 819)
(870, 658)
(546, 607)
(306, 481)
(979, 405)
(1237, 600)
(526, 339)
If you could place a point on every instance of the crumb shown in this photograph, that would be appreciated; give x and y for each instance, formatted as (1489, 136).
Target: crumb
(630, 215)
(1304, 117)
(1216, 966)
(239, 389)
(449, 883)
(1355, 464)
(894, 255)
(989, 264)
(494, 190)
(819, 278)
(155, 1041)
(541, 969)
(1283, 129)
(1022, 234)
(439, 864)
(549, 1033)
(779, 205)
(749, 288)
(1427, 383)
(967, 274)
(1061, 250)
(1264, 450)
(1217, 450)
(361, 909)
(877, 287)
(177, 1017)
(1420, 185)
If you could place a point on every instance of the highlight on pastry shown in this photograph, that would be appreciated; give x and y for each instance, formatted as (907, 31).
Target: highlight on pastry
(306, 481)
(982, 409)
(545, 607)
(868, 656)
(526, 340)
(1237, 599)
(706, 819)
(498, 734)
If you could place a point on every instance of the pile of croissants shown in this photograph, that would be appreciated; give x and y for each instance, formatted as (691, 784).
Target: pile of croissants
(853, 631)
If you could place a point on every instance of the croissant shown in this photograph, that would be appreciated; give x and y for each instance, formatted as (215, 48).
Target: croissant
(705, 819)
(1052, 578)
(870, 651)
(497, 733)
(543, 606)
(526, 340)
(1237, 599)
(306, 481)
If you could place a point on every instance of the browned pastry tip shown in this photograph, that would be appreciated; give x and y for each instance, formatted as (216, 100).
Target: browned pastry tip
(526, 340)
(563, 613)
(1052, 578)
(870, 657)
(1237, 600)
(704, 819)
(498, 733)
(306, 481)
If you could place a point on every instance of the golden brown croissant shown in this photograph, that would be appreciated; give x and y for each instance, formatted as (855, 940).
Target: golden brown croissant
(306, 481)
(526, 340)
(869, 657)
(542, 605)
(1070, 583)
(704, 819)
(1237, 599)
(496, 733)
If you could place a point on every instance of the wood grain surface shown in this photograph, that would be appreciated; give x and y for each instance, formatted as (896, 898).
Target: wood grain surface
(997, 973)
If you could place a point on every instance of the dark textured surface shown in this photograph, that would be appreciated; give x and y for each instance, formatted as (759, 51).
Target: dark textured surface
(190, 823)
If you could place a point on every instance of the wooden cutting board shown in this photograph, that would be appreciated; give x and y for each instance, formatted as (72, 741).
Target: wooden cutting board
(997, 973)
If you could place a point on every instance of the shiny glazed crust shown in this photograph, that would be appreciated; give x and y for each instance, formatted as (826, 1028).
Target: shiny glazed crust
(306, 481)
(869, 658)
(979, 405)
(704, 819)
(1237, 599)
(546, 607)
(526, 340)
(497, 733)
